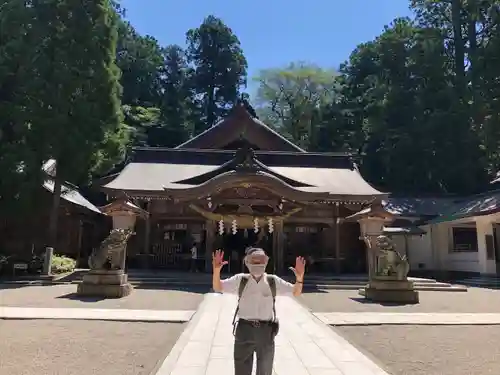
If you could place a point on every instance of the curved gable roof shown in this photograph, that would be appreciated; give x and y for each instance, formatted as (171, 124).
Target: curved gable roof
(240, 125)
(244, 160)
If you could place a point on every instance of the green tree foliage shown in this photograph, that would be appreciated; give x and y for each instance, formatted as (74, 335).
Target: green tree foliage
(140, 121)
(169, 93)
(293, 99)
(21, 173)
(399, 88)
(177, 105)
(74, 94)
(470, 31)
(419, 137)
(141, 61)
(220, 69)
(419, 102)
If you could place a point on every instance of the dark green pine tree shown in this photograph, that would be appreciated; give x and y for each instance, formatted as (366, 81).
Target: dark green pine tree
(141, 61)
(175, 125)
(21, 173)
(220, 69)
(74, 108)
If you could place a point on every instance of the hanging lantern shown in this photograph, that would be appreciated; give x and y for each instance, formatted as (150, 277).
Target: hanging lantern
(221, 227)
(234, 226)
(209, 199)
(280, 206)
(270, 224)
(256, 225)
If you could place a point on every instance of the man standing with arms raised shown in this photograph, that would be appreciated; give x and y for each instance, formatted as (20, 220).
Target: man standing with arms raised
(257, 324)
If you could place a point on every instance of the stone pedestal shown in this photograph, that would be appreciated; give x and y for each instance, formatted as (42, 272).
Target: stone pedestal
(390, 290)
(104, 283)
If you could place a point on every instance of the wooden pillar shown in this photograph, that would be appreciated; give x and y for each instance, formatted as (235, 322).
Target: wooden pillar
(338, 262)
(278, 243)
(147, 231)
(80, 237)
(209, 243)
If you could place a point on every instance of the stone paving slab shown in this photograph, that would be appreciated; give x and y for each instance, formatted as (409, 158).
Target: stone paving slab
(374, 318)
(171, 316)
(304, 345)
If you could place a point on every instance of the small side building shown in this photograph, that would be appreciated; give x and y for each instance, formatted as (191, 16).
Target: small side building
(81, 225)
(461, 235)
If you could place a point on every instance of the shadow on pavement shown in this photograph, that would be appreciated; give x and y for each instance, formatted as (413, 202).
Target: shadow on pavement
(313, 289)
(369, 302)
(18, 285)
(76, 297)
(200, 289)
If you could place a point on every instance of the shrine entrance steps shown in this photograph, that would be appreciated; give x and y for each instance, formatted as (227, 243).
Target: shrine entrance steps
(304, 345)
(483, 281)
(204, 280)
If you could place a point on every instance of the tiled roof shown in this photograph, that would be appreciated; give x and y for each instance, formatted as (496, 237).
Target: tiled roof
(476, 205)
(68, 193)
(418, 207)
(239, 123)
(71, 195)
(153, 170)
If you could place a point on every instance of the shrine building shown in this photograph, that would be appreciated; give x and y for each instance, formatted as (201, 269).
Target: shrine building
(239, 184)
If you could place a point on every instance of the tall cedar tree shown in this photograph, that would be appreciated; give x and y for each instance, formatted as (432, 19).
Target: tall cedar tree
(140, 58)
(21, 173)
(220, 69)
(75, 107)
(176, 101)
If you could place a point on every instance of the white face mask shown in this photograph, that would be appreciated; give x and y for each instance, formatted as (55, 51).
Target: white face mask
(256, 269)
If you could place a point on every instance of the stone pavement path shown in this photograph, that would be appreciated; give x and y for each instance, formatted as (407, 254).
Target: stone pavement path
(174, 316)
(372, 318)
(304, 345)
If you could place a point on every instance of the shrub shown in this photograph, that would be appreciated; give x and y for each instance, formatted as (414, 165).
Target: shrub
(62, 264)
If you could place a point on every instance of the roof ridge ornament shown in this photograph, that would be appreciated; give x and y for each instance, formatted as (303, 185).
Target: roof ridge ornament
(245, 159)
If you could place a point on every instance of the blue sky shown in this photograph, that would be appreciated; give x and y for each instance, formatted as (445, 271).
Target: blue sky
(273, 33)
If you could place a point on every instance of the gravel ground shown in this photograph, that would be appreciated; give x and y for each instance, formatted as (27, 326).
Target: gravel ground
(61, 296)
(475, 300)
(58, 347)
(429, 350)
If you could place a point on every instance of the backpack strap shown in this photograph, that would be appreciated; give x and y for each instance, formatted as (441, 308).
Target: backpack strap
(241, 288)
(272, 284)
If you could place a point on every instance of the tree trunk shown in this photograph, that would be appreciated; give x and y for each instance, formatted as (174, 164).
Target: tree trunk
(54, 213)
(456, 15)
(474, 68)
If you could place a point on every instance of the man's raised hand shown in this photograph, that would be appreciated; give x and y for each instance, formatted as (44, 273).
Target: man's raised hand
(299, 269)
(218, 260)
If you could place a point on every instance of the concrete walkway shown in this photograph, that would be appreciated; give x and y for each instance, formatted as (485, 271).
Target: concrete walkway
(177, 316)
(304, 346)
(372, 318)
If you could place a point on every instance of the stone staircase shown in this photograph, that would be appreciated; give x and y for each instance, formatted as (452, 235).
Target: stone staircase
(492, 282)
(355, 283)
(312, 282)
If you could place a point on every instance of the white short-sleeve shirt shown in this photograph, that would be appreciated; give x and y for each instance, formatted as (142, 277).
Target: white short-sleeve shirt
(256, 302)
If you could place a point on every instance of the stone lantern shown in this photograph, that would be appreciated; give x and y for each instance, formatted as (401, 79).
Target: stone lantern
(107, 277)
(387, 269)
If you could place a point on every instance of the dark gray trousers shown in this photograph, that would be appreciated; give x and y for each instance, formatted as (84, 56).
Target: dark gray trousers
(248, 340)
